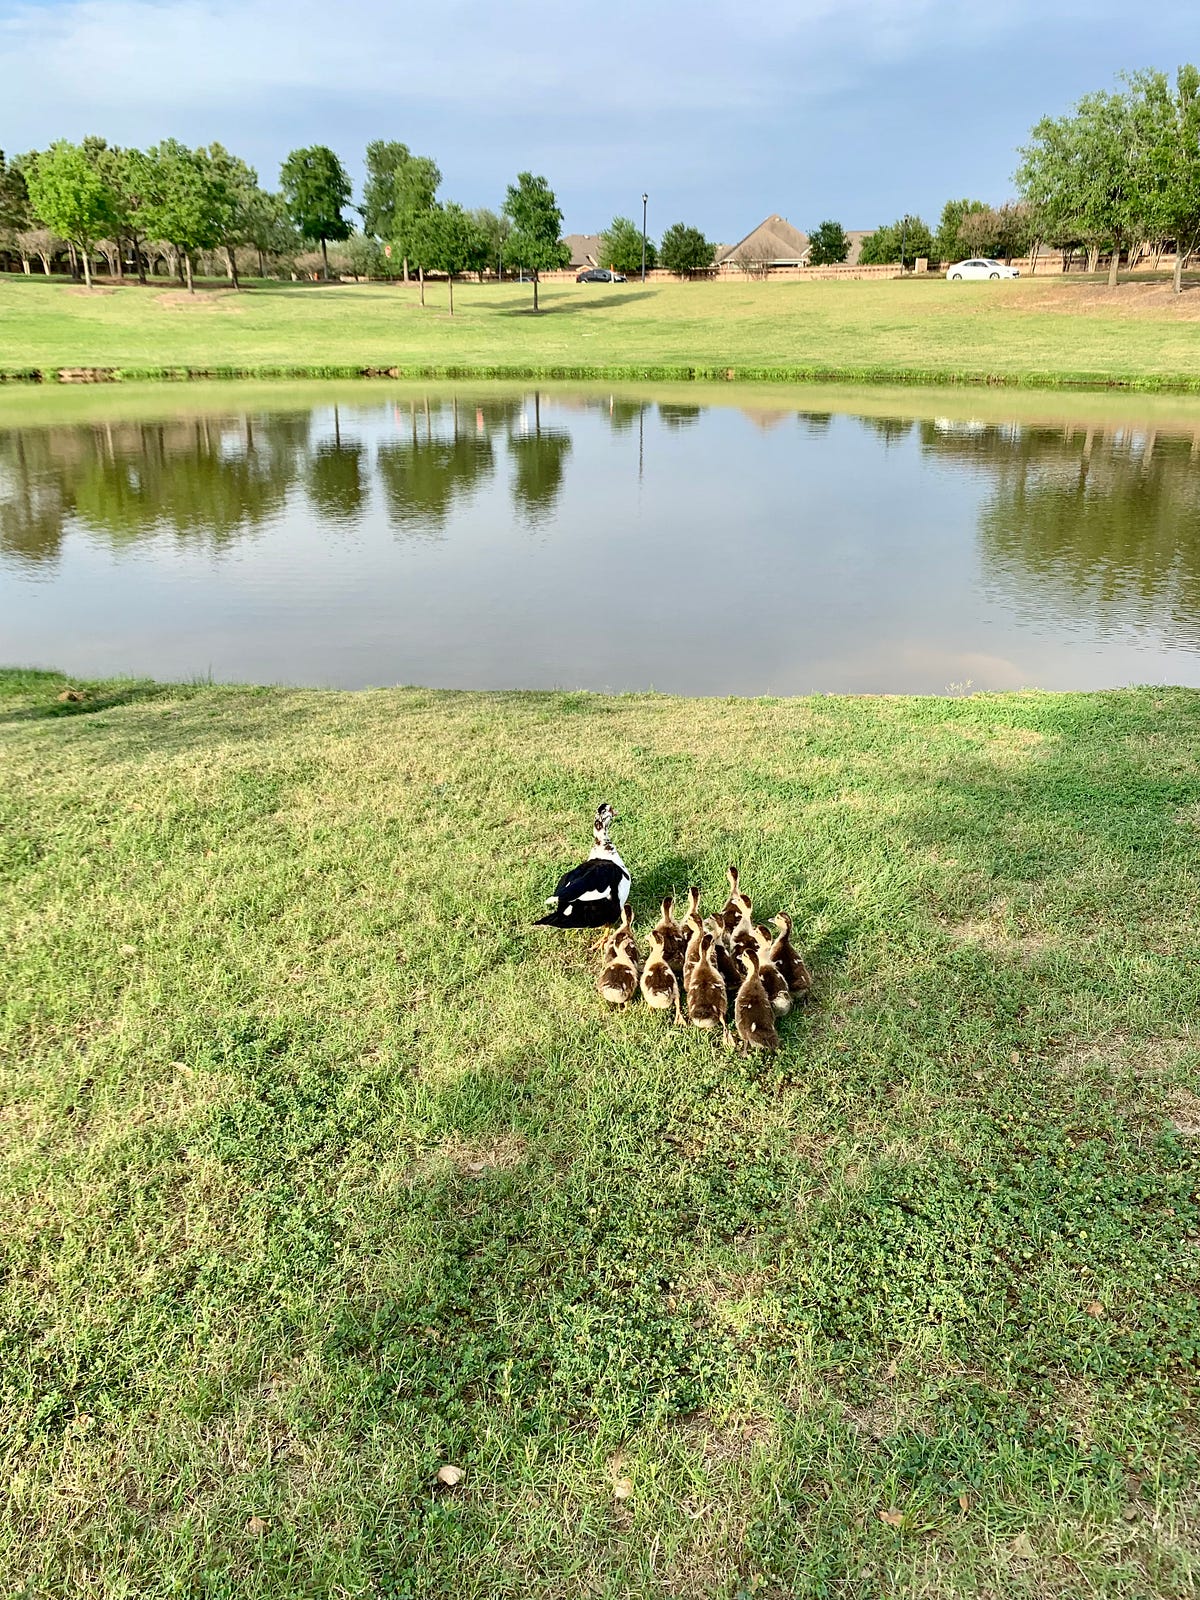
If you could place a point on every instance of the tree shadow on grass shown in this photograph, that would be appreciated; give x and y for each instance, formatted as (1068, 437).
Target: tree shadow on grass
(572, 308)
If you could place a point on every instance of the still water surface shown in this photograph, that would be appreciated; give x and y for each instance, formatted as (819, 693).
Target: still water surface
(612, 543)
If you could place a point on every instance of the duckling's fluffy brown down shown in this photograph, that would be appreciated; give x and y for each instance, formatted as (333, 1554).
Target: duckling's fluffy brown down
(660, 987)
(753, 1014)
(707, 997)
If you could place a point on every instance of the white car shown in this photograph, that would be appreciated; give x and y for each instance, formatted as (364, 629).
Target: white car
(982, 267)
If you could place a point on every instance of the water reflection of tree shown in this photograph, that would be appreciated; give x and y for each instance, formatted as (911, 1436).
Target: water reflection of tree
(1092, 520)
(198, 477)
(673, 415)
(539, 459)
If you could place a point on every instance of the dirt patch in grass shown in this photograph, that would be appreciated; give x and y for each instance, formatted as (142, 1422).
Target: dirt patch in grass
(82, 288)
(201, 300)
(472, 1160)
(1126, 300)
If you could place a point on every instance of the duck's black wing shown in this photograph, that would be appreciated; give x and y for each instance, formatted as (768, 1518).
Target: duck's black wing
(588, 897)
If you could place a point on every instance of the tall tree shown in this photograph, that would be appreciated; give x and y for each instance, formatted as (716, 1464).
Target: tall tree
(399, 189)
(621, 247)
(69, 194)
(1089, 174)
(316, 188)
(1168, 120)
(947, 241)
(446, 240)
(235, 187)
(16, 214)
(685, 250)
(828, 245)
(535, 243)
(185, 201)
(269, 227)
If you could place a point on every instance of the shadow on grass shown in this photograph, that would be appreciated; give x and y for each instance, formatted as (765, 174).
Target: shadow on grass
(572, 308)
(52, 695)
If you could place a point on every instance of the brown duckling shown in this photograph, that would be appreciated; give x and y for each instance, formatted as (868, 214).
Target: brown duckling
(693, 926)
(618, 979)
(674, 936)
(736, 905)
(790, 962)
(773, 980)
(726, 965)
(707, 997)
(660, 987)
(623, 935)
(743, 936)
(753, 1014)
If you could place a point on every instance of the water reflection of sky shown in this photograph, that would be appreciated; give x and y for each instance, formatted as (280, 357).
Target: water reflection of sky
(550, 542)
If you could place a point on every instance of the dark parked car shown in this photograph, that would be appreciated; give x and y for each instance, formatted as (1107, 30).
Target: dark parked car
(600, 275)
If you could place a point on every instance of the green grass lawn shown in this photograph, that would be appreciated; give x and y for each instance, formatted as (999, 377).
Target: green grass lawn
(1037, 331)
(322, 1169)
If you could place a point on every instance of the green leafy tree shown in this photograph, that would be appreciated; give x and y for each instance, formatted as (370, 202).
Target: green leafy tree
(16, 213)
(899, 242)
(234, 187)
(399, 189)
(317, 189)
(535, 243)
(1090, 174)
(621, 247)
(71, 196)
(828, 245)
(1168, 122)
(947, 241)
(446, 240)
(185, 201)
(269, 229)
(492, 230)
(685, 250)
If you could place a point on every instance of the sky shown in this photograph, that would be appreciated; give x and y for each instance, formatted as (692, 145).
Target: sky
(723, 111)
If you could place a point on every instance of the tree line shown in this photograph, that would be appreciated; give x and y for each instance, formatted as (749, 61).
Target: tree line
(177, 206)
(1118, 175)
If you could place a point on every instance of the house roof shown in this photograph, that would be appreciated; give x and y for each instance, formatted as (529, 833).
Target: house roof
(774, 241)
(584, 248)
(856, 237)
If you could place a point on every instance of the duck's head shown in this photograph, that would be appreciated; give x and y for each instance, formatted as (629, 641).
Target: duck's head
(605, 817)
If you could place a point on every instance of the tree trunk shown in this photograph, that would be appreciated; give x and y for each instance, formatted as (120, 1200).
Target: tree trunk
(1114, 265)
(1177, 276)
(45, 255)
(325, 260)
(1033, 255)
(120, 261)
(231, 265)
(187, 267)
(25, 264)
(73, 258)
(451, 283)
(421, 281)
(87, 267)
(262, 265)
(406, 269)
(535, 289)
(1093, 257)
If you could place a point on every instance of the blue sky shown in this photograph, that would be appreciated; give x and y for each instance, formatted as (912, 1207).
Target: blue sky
(723, 110)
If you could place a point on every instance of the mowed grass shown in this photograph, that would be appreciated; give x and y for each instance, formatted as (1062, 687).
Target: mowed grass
(323, 1169)
(1040, 331)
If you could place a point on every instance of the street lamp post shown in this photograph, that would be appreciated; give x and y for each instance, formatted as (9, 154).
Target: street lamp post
(645, 199)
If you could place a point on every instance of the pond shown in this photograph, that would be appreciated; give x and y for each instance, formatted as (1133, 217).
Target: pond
(687, 541)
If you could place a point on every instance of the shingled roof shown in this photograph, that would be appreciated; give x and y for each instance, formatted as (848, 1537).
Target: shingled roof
(584, 248)
(774, 242)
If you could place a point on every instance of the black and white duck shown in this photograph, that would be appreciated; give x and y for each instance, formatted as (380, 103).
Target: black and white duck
(593, 894)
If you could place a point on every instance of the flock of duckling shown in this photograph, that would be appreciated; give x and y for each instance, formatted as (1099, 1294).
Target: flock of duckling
(708, 963)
